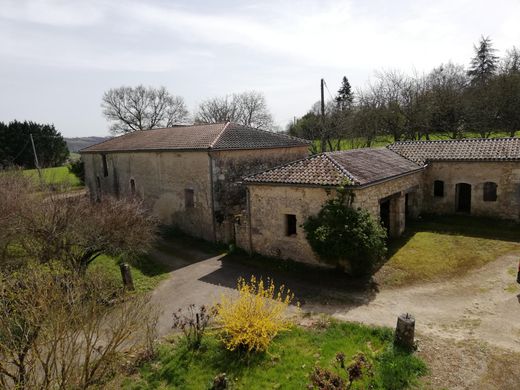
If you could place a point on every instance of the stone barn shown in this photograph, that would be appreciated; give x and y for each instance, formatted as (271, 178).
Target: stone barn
(474, 176)
(188, 175)
(281, 199)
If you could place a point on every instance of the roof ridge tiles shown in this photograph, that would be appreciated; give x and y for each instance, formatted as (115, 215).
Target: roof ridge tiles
(219, 135)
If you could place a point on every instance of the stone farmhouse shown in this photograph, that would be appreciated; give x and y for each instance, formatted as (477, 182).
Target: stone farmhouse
(188, 175)
(230, 183)
(473, 176)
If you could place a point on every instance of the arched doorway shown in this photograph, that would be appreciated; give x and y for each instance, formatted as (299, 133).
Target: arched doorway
(463, 197)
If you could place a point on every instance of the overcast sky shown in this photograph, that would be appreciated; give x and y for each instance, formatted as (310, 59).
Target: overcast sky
(58, 57)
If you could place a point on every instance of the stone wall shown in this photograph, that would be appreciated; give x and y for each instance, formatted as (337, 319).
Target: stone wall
(269, 205)
(229, 167)
(161, 179)
(505, 174)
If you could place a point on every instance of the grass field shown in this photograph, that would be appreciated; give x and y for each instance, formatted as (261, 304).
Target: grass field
(146, 272)
(58, 176)
(288, 363)
(384, 140)
(442, 247)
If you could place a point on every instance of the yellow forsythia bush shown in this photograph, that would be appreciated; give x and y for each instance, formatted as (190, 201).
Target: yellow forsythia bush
(252, 320)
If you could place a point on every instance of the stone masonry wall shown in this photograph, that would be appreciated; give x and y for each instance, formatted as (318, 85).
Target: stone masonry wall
(269, 206)
(505, 174)
(229, 167)
(161, 179)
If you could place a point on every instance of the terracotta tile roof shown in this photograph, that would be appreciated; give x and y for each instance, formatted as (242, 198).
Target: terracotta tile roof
(476, 149)
(358, 167)
(220, 136)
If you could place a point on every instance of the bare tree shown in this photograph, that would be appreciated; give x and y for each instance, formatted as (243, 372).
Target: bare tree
(43, 226)
(246, 108)
(77, 231)
(511, 61)
(142, 108)
(60, 330)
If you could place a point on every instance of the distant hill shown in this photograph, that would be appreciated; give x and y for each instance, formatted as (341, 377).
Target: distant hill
(75, 144)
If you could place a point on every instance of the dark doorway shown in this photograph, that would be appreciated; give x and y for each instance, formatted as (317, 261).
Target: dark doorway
(384, 214)
(463, 197)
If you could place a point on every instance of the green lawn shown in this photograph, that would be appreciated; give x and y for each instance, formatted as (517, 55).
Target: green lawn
(146, 272)
(288, 363)
(58, 176)
(384, 140)
(442, 247)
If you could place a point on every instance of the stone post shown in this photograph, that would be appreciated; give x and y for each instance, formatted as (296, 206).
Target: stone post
(126, 275)
(405, 331)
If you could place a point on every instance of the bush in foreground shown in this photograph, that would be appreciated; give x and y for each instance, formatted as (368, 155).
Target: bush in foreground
(250, 322)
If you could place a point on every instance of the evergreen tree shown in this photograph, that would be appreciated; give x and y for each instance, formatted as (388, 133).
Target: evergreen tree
(485, 62)
(16, 149)
(345, 96)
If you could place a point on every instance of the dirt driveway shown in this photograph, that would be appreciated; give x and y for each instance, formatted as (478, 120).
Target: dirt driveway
(456, 320)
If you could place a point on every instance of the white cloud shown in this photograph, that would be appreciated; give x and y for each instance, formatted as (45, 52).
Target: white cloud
(280, 47)
(53, 12)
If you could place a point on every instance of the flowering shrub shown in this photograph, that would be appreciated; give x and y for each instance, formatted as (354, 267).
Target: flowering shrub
(251, 321)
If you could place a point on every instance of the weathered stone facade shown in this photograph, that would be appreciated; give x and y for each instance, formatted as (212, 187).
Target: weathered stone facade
(161, 179)
(228, 169)
(505, 174)
(269, 206)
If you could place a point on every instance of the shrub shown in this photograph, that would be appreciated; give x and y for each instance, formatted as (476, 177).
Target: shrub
(77, 168)
(251, 321)
(60, 330)
(193, 324)
(323, 379)
(341, 235)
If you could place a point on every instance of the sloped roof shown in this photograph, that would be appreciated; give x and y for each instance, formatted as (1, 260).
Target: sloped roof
(220, 136)
(358, 167)
(475, 149)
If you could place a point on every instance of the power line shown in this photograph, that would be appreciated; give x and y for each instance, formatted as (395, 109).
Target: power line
(327, 88)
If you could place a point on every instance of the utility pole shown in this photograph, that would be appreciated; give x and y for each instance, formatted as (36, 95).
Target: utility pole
(36, 159)
(323, 145)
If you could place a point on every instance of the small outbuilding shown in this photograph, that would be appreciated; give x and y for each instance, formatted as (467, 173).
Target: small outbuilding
(471, 176)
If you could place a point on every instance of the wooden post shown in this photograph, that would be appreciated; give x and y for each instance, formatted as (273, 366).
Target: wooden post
(405, 331)
(126, 275)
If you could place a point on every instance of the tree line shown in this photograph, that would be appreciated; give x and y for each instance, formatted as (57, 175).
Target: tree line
(16, 148)
(450, 101)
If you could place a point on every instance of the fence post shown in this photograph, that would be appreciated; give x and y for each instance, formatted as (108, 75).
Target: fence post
(405, 331)
(126, 275)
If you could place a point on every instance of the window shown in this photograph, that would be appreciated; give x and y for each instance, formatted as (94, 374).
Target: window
(105, 165)
(438, 188)
(132, 187)
(490, 191)
(290, 224)
(188, 198)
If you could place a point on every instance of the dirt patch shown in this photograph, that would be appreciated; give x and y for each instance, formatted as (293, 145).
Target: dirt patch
(459, 365)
